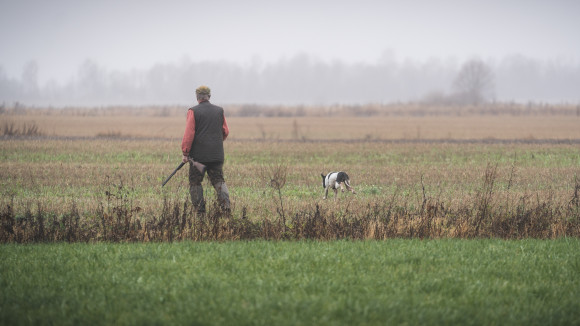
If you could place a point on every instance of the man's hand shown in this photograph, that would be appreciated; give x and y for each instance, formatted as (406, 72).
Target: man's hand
(185, 159)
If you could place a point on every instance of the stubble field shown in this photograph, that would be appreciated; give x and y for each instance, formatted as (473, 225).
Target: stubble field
(449, 174)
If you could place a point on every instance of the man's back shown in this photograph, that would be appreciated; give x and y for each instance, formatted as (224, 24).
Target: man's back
(208, 141)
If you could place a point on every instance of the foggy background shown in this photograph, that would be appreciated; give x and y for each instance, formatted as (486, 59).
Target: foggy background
(63, 53)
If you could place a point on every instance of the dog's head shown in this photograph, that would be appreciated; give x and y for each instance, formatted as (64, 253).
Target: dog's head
(342, 177)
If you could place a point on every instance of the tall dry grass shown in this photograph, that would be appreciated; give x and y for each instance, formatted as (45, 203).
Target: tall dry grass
(485, 215)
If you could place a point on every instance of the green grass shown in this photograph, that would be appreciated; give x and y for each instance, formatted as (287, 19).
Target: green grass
(435, 282)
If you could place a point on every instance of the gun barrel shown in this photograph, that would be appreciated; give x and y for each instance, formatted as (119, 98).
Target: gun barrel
(172, 173)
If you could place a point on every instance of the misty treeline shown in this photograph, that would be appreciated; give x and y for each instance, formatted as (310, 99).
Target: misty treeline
(302, 79)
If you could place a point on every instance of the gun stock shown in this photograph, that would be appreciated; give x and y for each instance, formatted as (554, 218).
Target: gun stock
(200, 167)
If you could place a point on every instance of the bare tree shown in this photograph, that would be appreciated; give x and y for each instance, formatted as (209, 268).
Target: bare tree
(474, 82)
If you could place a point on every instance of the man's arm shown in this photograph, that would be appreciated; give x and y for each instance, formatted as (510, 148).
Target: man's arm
(188, 135)
(225, 129)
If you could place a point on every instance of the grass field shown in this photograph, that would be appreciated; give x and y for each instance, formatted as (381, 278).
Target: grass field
(89, 236)
(100, 177)
(429, 282)
(417, 175)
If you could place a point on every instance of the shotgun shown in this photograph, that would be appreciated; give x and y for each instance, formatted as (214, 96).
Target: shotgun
(200, 167)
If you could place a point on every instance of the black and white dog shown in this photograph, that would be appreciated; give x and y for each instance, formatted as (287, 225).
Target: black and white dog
(333, 181)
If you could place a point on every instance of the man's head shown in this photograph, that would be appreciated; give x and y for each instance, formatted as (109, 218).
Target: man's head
(203, 93)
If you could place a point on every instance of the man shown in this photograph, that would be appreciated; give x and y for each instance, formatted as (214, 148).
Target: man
(205, 131)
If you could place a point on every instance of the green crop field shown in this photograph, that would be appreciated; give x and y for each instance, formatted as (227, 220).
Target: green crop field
(429, 282)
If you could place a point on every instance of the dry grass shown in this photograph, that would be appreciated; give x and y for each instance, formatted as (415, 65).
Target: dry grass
(93, 190)
(27, 129)
(314, 128)
(108, 188)
(484, 215)
(406, 122)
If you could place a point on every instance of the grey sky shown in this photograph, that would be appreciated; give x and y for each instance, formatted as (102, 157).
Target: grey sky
(121, 35)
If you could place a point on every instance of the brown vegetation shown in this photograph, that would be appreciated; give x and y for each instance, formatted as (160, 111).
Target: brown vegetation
(427, 176)
(485, 214)
(341, 122)
(10, 129)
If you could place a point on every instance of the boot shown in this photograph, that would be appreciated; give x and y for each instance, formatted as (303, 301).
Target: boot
(223, 196)
(196, 193)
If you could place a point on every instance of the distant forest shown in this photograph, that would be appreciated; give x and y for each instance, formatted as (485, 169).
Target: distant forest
(299, 80)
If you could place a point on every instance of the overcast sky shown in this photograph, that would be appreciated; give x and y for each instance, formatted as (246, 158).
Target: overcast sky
(59, 35)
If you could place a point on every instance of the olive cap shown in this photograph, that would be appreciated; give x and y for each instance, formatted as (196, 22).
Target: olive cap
(203, 90)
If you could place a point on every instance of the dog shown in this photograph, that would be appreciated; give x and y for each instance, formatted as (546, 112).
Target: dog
(333, 181)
